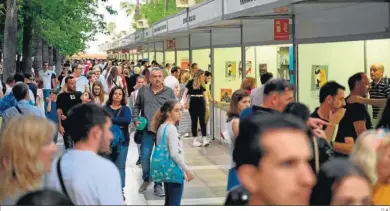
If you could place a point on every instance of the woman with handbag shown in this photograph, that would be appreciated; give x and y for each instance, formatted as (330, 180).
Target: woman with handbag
(121, 119)
(167, 163)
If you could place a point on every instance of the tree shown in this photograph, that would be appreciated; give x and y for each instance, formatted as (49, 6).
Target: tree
(10, 38)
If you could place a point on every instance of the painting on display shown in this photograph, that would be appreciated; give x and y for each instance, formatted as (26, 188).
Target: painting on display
(319, 76)
(262, 69)
(226, 95)
(231, 70)
(249, 70)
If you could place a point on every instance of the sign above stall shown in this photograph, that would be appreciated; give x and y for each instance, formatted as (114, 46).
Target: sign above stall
(281, 10)
(177, 23)
(148, 33)
(170, 44)
(205, 13)
(281, 29)
(160, 28)
(232, 6)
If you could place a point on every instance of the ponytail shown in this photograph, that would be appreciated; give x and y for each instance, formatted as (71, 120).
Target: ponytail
(158, 119)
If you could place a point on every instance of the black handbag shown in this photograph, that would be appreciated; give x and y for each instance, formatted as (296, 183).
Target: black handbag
(138, 136)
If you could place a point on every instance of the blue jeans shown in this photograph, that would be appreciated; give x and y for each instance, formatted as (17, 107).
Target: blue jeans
(119, 159)
(147, 144)
(173, 193)
(46, 94)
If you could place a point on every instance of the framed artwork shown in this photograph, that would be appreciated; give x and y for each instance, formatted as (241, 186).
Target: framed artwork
(319, 76)
(226, 95)
(231, 70)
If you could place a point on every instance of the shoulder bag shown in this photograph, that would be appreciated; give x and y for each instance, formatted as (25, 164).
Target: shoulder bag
(162, 167)
(59, 173)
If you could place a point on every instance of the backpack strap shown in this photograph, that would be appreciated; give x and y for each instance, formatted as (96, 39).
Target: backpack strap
(19, 110)
(61, 179)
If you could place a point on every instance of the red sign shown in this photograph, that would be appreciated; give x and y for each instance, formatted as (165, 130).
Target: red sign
(281, 29)
(281, 10)
(170, 44)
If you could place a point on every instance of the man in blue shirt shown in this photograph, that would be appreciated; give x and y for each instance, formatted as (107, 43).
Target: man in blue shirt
(9, 100)
(22, 96)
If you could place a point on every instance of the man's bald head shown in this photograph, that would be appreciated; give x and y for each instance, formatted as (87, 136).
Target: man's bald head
(376, 72)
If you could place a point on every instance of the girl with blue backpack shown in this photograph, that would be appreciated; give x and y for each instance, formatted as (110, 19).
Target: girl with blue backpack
(168, 164)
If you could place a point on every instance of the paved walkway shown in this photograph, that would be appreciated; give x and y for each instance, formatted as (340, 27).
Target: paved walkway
(210, 167)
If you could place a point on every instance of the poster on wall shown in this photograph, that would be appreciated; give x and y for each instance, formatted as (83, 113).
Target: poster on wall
(262, 69)
(184, 64)
(226, 95)
(230, 70)
(319, 76)
(249, 70)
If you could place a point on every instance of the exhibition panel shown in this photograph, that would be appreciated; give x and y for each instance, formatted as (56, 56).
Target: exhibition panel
(202, 58)
(322, 62)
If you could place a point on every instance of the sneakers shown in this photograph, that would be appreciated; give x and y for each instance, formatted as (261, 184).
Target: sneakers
(158, 191)
(143, 187)
(203, 143)
(196, 143)
(206, 142)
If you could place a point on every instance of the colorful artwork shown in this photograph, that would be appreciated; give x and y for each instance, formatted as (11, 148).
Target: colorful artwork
(319, 76)
(226, 95)
(262, 69)
(231, 70)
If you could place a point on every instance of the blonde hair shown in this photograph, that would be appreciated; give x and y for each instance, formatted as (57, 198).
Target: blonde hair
(364, 155)
(198, 79)
(20, 146)
(185, 77)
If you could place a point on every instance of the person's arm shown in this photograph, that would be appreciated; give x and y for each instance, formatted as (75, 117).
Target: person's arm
(124, 118)
(346, 147)
(235, 126)
(373, 102)
(205, 96)
(137, 105)
(172, 138)
(48, 109)
(334, 120)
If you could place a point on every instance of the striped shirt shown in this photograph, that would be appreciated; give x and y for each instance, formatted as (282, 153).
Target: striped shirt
(379, 91)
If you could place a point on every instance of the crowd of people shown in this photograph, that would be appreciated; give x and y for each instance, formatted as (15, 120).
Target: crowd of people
(282, 154)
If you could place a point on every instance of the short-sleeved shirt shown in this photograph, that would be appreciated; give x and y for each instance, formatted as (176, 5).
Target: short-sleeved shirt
(192, 91)
(379, 91)
(317, 116)
(65, 101)
(46, 77)
(354, 112)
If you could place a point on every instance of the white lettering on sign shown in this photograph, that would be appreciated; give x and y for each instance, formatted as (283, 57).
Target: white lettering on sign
(232, 6)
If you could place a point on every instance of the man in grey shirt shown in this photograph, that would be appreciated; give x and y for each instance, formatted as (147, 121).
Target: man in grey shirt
(257, 94)
(149, 100)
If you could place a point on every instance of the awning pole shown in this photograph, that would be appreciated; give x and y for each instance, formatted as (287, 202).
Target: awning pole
(212, 84)
(174, 44)
(163, 51)
(190, 49)
(295, 53)
(243, 53)
(155, 52)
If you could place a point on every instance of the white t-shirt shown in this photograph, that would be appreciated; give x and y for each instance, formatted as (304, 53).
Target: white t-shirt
(46, 77)
(81, 83)
(171, 82)
(89, 179)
